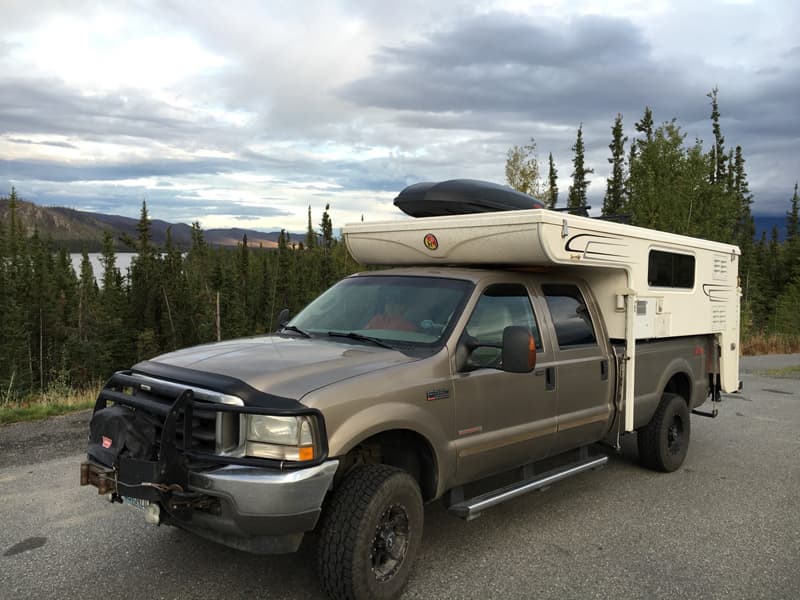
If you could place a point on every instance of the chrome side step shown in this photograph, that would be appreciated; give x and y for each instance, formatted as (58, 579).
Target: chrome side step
(473, 507)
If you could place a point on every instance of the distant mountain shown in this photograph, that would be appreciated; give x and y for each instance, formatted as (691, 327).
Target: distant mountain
(765, 223)
(75, 229)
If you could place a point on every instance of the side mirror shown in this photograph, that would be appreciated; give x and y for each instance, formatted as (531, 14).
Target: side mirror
(519, 350)
(283, 317)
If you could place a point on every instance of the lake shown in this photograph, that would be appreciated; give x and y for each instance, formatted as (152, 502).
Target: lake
(123, 263)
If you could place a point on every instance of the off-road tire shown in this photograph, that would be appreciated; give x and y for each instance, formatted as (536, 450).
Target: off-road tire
(664, 441)
(370, 534)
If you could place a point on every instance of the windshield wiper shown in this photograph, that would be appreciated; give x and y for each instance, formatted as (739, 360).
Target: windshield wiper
(361, 338)
(296, 330)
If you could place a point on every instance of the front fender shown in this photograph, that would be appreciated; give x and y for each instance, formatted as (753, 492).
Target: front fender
(393, 416)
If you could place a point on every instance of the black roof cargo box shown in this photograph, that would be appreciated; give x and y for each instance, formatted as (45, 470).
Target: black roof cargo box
(461, 197)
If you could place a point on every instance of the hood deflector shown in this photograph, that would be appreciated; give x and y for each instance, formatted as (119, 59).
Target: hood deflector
(219, 383)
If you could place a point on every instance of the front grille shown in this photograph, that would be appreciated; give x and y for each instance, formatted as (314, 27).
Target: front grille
(214, 430)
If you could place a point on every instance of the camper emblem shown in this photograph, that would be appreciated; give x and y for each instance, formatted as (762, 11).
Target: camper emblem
(430, 241)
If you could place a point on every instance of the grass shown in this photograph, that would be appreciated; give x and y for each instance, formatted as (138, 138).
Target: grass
(776, 343)
(49, 404)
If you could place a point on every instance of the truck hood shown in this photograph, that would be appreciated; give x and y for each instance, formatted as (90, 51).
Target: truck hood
(283, 366)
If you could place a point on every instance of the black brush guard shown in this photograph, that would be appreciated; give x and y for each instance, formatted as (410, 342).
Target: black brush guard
(166, 479)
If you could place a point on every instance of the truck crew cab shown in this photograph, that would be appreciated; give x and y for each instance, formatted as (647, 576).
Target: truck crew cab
(499, 340)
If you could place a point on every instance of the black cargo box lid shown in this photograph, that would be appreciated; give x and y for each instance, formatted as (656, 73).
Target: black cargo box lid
(461, 197)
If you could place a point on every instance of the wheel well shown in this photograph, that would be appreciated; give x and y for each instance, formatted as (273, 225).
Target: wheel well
(399, 448)
(679, 384)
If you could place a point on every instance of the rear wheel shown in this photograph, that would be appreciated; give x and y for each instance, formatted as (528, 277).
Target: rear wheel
(370, 534)
(664, 441)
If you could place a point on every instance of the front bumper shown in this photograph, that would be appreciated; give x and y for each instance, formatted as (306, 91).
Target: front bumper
(260, 510)
(254, 509)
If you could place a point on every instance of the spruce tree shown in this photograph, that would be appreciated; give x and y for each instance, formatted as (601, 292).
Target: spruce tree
(311, 235)
(551, 198)
(614, 201)
(576, 199)
(645, 126)
(718, 161)
(792, 252)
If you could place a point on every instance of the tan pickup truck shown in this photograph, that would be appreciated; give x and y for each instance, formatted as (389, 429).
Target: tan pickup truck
(392, 389)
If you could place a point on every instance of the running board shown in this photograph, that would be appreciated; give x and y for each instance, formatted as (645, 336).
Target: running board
(473, 507)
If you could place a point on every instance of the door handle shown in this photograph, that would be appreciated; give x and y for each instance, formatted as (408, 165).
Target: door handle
(604, 370)
(550, 378)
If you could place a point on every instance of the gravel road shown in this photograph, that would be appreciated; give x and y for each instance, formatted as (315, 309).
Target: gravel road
(725, 525)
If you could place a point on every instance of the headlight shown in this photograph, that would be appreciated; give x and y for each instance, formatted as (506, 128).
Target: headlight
(281, 438)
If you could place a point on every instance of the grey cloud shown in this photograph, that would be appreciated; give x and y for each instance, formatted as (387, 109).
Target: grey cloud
(48, 107)
(54, 143)
(43, 170)
(504, 63)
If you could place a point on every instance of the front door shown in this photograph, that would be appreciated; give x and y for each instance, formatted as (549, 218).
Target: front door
(503, 420)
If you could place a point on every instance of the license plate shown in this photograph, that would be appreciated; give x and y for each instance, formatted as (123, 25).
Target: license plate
(136, 502)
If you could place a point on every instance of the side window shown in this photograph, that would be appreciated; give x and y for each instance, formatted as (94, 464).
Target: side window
(669, 269)
(570, 315)
(499, 306)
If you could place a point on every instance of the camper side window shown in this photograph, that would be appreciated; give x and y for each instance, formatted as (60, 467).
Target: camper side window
(571, 318)
(669, 269)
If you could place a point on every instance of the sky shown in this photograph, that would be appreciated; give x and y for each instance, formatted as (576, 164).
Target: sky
(247, 113)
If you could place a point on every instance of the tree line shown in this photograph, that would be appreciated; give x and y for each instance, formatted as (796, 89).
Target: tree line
(660, 181)
(62, 328)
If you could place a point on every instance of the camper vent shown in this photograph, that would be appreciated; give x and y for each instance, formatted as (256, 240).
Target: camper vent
(720, 267)
(718, 318)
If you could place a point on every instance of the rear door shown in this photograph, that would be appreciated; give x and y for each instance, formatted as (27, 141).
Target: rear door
(503, 420)
(585, 399)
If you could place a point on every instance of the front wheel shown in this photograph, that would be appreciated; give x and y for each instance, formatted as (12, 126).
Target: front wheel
(664, 441)
(370, 534)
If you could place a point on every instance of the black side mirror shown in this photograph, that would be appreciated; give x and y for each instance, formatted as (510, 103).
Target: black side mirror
(519, 350)
(283, 317)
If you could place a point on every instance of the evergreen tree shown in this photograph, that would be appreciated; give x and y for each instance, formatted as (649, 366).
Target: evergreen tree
(793, 218)
(576, 199)
(792, 252)
(311, 235)
(718, 158)
(645, 126)
(551, 198)
(614, 201)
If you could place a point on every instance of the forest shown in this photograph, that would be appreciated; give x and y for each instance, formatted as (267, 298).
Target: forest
(62, 330)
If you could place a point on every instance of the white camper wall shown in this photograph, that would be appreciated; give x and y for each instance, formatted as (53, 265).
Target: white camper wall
(612, 257)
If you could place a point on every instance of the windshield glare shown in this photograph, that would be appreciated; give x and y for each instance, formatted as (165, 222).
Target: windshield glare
(405, 310)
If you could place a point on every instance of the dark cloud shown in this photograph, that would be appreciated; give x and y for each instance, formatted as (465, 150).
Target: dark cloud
(502, 63)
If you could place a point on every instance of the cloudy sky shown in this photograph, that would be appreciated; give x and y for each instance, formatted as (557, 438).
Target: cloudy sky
(245, 113)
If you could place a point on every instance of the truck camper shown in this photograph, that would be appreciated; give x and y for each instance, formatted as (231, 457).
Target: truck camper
(502, 349)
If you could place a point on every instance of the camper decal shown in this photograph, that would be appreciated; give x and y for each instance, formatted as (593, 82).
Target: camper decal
(716, 292)
(430, 241)
(597, 247)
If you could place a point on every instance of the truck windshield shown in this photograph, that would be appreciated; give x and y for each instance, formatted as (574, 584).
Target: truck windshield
(403, 311)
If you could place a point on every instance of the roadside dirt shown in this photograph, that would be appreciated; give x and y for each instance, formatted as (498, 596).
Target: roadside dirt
(36, 441)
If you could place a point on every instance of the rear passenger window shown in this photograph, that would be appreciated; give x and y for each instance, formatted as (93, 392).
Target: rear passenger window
(570, 315)
(669, 269)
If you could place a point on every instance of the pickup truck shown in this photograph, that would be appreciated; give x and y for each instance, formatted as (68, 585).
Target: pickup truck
(392, 389)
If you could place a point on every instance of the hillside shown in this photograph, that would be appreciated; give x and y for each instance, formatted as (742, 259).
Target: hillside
(75, 229)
